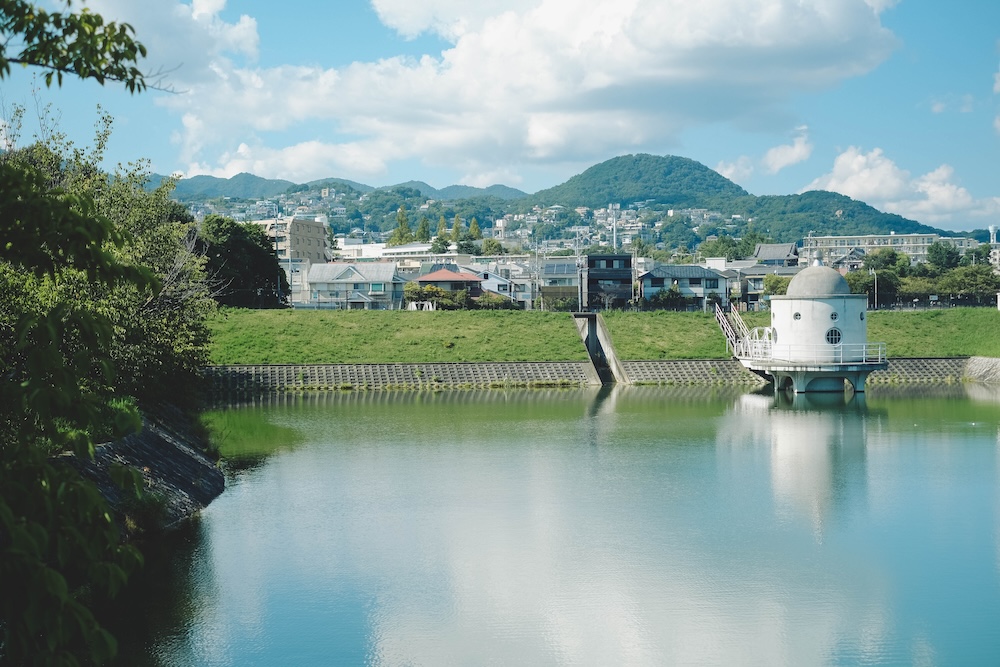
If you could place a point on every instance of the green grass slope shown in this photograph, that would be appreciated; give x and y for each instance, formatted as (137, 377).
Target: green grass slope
(369, 337)
(313, 337)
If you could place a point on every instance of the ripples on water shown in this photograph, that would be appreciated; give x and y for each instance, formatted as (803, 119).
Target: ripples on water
(642, 526)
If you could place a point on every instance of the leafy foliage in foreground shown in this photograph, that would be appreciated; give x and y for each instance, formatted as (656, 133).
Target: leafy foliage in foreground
(93, 279)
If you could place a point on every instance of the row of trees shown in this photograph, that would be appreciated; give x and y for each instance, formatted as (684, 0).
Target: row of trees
(442, 299)
(105, 290)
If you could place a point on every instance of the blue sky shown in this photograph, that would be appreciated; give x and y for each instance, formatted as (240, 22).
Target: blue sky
(894, 103)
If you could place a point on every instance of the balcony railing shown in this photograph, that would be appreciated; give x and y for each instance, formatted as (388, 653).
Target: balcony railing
(765, 350)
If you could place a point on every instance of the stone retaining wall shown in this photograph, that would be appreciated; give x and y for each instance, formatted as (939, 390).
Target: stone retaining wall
(922, 371)
(691, 372)
(226, 379)
(694, 372)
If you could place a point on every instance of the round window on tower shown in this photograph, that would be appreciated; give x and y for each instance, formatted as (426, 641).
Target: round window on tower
(833, 336)
(834, 315)
(797, 316)
(862, 317)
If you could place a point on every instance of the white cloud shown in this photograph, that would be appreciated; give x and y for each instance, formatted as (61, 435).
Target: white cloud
(961, 103)
(786, 155)
(932, 198)
(737, 171)
(525, 82)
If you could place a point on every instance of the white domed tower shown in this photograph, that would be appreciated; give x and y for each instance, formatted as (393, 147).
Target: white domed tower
(818, 336)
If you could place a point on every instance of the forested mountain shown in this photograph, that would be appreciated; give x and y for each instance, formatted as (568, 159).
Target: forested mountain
(453, 192)
(242, 186)
(334, 182)
(659, 182)
(674, 181)
(792, 217)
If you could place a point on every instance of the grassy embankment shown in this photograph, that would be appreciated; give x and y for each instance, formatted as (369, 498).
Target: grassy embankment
(306, 337)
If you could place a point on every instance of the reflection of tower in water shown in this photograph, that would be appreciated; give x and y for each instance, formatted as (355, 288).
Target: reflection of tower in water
(817, 454)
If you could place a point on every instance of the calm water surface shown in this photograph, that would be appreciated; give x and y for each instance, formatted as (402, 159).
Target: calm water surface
(637, 526)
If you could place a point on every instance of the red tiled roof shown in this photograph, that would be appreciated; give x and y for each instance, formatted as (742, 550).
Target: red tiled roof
(444, 275)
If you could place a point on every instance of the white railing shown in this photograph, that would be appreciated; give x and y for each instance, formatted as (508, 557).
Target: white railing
(763, 349)
(732, 325)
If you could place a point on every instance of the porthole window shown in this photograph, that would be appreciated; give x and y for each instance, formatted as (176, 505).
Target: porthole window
(862, 317)
(797, 316)
(834, 316)
(833, 336)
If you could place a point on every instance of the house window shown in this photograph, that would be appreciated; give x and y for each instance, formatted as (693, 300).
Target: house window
(656, 282)
(378, 287)
(358, 286)
(712, 283)
(694, 282)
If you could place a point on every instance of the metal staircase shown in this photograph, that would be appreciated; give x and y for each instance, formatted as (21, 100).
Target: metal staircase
(733, 327)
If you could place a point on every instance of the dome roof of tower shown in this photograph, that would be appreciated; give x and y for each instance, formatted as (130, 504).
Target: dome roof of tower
(817, 281)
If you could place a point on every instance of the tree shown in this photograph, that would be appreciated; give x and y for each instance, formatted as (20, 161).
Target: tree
(442, 228)
(976, 256)
(456, 230)
(466, 247)
(493, 301)
(241, 264)
(724, 246)
(492, 247)
(942, 255)
(775, 284)
(57, 537)
(474, 231)
(59, 43)
(423, 233)
(402, 234)
(975, 284)
(440, 245)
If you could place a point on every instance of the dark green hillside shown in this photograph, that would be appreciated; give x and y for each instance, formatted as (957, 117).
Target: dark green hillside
(502, 192)
(457, 192)
(425, 190)
(789, 218)
(241, 186)
(669, 180)
(338, 183)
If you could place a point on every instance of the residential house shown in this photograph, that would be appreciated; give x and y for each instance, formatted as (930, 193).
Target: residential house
(608, 281)
(697, 284)
(776, 254)
(453, 281)
(752, 295)
(363, 286)
(559, 279)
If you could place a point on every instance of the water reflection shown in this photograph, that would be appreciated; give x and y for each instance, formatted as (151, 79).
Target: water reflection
(634, 525)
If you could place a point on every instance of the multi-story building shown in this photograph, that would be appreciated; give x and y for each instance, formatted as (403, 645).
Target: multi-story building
(833, 248)
(367, 286)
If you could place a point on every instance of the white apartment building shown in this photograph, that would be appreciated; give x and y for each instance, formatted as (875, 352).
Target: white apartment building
(914, 245)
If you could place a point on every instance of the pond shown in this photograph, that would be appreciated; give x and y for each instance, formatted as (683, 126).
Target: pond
(635, 525)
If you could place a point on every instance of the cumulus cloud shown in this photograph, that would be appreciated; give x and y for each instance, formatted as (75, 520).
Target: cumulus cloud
(933, 198)
(786, 155)
(738, 171)
(523, 82)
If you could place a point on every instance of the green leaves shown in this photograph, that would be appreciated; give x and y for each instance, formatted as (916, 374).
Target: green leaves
(77, 43)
